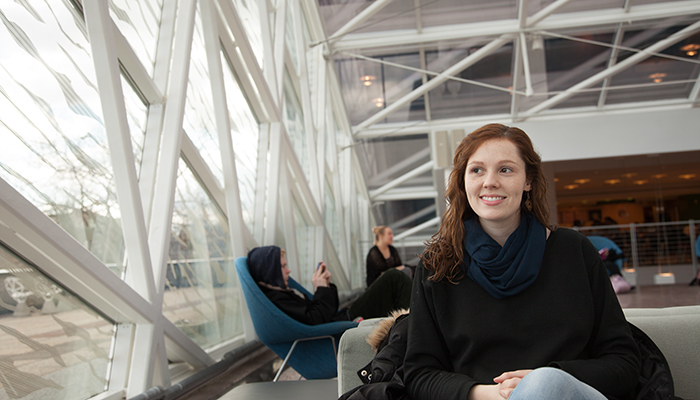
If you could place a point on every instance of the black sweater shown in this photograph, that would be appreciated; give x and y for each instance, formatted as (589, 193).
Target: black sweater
(323, 308)
(377, 264)
(569, 318)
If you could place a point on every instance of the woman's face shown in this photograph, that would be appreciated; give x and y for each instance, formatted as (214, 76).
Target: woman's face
(388, 236)
(494, 180)
(285, 270)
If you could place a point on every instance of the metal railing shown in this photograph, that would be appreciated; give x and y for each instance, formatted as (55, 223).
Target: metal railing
(652, 244)
(659, 244)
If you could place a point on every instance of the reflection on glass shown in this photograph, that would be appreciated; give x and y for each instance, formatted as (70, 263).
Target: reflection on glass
(331, 217)
(201, 297)
(137, 117)
(200, 121)
(249, 14)
(290, 39)
(54, 148)
(369, 86)
(294, 122)
(453, 99)
(139, 22)
(305, 246)
(52, 345)
(245, 132)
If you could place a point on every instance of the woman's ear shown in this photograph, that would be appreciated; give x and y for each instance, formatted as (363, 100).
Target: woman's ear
(528, 186)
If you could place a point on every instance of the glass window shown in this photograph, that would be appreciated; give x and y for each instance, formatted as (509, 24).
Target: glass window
(245, 133)
(200, 121)
(249, 14)
(330, 217)
(139, 22)
(290, 40)
(54, 148)
(201, 294)
(453, 98)
(369, 86)
(305, 246)
(294, 122)
(52, 345)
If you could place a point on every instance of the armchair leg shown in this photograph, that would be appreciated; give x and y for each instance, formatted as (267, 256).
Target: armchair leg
(291, 349)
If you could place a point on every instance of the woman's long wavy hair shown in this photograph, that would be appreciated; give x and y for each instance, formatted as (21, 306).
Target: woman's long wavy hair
(445, 249)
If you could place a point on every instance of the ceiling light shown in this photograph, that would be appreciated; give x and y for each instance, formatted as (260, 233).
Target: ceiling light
(368, 79)
(556, 179)
(629, 175)
(612, 181)
(659, 176)
(582, 181)
(657, 77)
(378, 102)
(641, 182)
(691, 49)
(570, 187)
(687, 176)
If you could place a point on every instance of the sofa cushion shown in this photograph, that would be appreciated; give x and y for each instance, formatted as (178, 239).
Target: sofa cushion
(676, 331)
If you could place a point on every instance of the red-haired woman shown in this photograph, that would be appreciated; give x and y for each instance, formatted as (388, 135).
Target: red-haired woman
(505, 306)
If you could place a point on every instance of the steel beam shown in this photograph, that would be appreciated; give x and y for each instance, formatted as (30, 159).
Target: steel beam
(403, 178)
(251, 62)
(442, 77)
(223, 127)
(408, 232)
(104, 51)
(632, 60)
(403, 221)
(360, 18)
(569, 21)
(409, 193)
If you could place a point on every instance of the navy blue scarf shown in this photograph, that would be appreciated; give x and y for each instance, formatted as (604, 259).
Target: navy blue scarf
(508, 270)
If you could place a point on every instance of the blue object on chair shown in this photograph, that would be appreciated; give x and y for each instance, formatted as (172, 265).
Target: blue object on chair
(310, 349)
(601, 242)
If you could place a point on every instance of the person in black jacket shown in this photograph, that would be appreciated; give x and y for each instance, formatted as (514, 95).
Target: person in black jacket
(268, 267)
(505, 306)
(383, 256)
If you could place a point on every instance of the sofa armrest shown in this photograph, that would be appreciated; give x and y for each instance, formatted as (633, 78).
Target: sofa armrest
(676, 331)
(353, 353)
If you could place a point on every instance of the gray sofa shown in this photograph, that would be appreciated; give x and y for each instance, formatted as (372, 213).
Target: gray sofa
(676, 330)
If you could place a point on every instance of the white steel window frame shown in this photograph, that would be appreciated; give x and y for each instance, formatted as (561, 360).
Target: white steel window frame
(146, 342)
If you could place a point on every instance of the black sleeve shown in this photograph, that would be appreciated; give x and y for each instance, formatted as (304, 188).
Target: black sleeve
(613, 361)
(311, 312)
(427, 365)
(376, 264)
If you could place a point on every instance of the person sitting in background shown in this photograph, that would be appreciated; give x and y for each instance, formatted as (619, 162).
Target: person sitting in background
(268, 267)
(610, 256)
(383, 256)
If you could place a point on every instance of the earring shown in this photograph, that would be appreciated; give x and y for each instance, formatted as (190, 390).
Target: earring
(528, 203)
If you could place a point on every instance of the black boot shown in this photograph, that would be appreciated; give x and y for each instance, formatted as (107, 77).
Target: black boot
(694, 282)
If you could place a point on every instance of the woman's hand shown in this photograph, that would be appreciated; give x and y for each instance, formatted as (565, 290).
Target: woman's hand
(485, 392)
(400, 267)
(507, 381)
(322, 277)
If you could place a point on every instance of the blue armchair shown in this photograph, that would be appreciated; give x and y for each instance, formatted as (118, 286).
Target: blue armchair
(310, 349)
(600, 242)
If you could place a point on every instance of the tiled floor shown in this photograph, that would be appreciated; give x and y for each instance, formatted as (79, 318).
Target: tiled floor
(640, 297)
(657, 296)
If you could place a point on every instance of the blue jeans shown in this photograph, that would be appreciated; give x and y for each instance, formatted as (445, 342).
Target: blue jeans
(553, 384)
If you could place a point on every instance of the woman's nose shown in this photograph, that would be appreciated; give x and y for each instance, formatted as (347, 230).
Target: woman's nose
(491, 180)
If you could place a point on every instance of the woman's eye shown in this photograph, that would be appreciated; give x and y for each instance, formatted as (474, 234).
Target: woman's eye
(475, 170)
(506, 169)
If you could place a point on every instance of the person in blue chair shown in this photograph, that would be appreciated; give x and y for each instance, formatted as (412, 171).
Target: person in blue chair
(268, 267)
